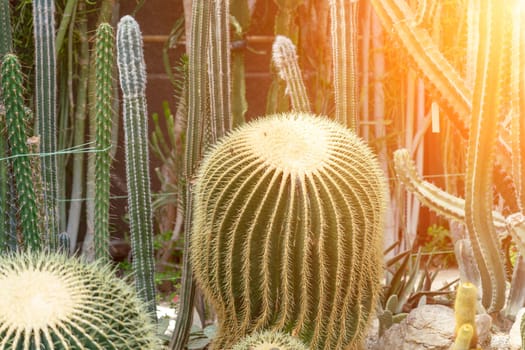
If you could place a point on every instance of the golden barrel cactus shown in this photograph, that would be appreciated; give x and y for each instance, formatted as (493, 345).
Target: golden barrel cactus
(288, 220)
(269, 340)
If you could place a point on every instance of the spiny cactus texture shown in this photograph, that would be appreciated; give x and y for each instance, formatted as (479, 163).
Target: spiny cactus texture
(464, 336)
(12, 87)
(104, 56)
(132, 73)
(284, 56)
(5, 28)
(45, 103)
(288, 220)
(465, 309)
(269, 340)
(344, 28)
(49, 301)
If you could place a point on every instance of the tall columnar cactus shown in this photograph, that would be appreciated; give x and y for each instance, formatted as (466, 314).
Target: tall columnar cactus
(284, 56)
(269, 340)
(12, 87)
(104, 56)
(287, 231)
(345, 56)
(486, 115)
(208, 90)
(132, 74)
(465, 309)
(5, 173)
(49, 301)
(45, 102)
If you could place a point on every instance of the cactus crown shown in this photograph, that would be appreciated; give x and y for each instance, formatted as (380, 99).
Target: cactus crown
(49, 301)
(269, 340)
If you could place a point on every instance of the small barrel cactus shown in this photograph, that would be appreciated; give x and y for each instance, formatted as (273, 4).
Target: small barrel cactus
(269, 340)
(49, 301)
(288, 219)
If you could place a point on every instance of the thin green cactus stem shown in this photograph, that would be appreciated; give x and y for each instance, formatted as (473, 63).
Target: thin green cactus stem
(132, 74)
(104, 57)
(45, 104)
(344, 55)
(12, 87)
(486, 113)
(284, 56)
(5, 47)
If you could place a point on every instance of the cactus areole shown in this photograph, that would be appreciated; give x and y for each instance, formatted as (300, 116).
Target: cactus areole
(288, 218)
(51, 302)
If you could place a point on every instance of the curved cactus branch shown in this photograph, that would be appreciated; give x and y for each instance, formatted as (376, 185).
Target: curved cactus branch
(443, 203)
(132, 73)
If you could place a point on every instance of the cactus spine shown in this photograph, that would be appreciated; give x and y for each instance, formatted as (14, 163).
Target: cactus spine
(465, 308)
(269, 340)
(104, 55)
(132, 74)
(49, 301)
(284, 56)
(344, 56)
(12, 87)
(45, 97)
(288, 219)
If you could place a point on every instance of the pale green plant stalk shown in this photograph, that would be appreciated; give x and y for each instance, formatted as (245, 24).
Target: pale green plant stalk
(132, 74)
(284, 56)
(79, 126)
(107, 14)
(104, 57)
(45, 102)
(12, 87)
(345, 55)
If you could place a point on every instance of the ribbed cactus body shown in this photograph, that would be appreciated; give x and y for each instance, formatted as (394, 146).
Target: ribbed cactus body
(12, 87)
(45, 103)
(132, 75)
(49, 301)
(269, 340)
(288, 221)
(104, 56)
